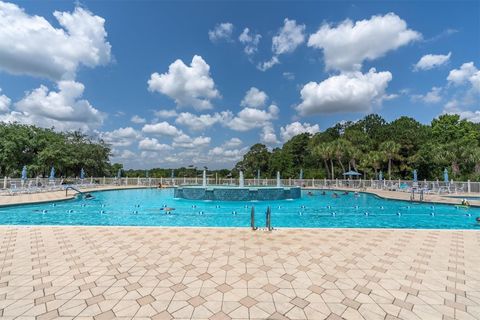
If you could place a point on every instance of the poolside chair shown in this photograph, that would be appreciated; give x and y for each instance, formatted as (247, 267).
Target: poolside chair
(13, 190)
(459, 189)
(444, 189)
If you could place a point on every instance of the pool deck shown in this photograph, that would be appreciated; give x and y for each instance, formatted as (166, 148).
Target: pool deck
(230, 273)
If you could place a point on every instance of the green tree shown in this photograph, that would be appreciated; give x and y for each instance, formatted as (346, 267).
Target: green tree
(257, 158)
(390, 149)
(322, 151)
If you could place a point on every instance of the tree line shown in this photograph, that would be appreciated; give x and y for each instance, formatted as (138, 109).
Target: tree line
(371, 145)
(40, 149)
(368, 146)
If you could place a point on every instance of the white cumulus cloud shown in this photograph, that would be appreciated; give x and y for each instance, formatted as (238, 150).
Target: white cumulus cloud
(222, 155)
(187, 85)
(431, 61)
(254, 98)
(201, 122)
(137, 119)
(250, 41)
(348, 44)
(286, 40)
(161, 128)
(250, 118)
(30, 45)
(349, 92)
(467, 73)
(187, 142)
(152, 144)
(433, 96)
(296, 128)
(121, 137)
(63, 109)
(264, 66)
(165, 113)
(455, 106)
(4, 102)
(268, 136)
(232, 143)
(222, 31)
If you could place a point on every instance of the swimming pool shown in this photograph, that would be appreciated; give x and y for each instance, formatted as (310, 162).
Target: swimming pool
(142, 207)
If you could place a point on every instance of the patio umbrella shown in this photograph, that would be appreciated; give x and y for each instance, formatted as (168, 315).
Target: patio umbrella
(380, 176)
(352, 173)
(24, 173)
(146, 173)
(52, 173)
(415, 177)
(445, 175)
(82, 174)
(119, 173)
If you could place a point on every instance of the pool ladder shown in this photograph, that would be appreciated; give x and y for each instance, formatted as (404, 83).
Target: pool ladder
(268, 219)
(74, 189)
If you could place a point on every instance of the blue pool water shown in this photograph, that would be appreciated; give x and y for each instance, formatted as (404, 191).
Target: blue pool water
(142, 207)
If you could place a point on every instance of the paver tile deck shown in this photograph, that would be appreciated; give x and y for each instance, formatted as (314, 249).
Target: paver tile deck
(235, 273)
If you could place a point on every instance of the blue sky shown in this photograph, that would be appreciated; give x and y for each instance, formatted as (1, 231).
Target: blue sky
(176, 83)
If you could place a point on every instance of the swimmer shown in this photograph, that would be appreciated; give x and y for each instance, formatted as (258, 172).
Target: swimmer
(334, 195)
(345, 193)
(323, 193)
(88, 196)
(310, 193)
(478, 219)
(465, 203)
(167, 209)
(356, 194)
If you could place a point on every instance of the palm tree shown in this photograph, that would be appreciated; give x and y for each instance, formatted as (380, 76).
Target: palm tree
(472, 155)
(354, 154)
(330, 149)
(373, 160)
(341, 148)
(390, 149)
(322, 151)
(450, 154)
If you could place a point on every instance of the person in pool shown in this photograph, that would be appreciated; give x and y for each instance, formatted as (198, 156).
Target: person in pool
(334, 195)
(345, 193)
(88, 196)
(323, 193)
(309, 193)
(465, 203)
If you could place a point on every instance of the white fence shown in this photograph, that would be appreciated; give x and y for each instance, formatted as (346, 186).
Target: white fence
(398, 185)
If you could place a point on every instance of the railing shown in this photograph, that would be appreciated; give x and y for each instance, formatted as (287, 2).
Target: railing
(397, 185)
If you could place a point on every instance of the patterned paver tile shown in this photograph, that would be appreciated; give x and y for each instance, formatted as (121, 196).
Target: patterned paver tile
(167, 273)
